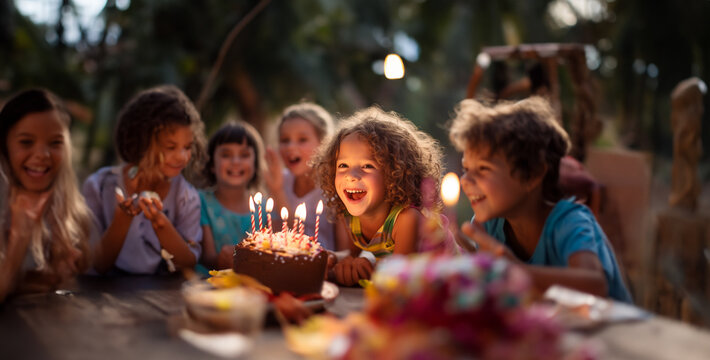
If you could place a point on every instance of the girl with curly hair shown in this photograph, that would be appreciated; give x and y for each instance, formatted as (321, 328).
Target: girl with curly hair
(511, 160)
(147, 212)
(44, 221)
(372, 172)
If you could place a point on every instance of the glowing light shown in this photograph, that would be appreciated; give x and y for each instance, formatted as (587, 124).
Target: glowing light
(300, 211)
(269, 205)
(394, 67)
(450, 189)
(300, 214)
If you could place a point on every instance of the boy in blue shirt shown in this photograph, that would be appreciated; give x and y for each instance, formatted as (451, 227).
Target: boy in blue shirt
(511, 156)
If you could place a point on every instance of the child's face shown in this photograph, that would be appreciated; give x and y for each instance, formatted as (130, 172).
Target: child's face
(36, 147)
(359, 179)
(234, 164)
(175, 145)
(297, 142)
(489, 185)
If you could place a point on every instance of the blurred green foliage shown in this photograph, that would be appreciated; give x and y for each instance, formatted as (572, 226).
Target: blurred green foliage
(324, 50)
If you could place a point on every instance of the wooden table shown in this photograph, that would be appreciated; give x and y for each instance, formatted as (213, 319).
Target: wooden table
(129, 317)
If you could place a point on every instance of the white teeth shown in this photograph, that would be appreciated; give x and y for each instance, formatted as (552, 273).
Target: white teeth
(37, 169)
(354, 191)
(477, 197)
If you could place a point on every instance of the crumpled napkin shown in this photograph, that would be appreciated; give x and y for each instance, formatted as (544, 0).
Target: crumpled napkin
(227, 345)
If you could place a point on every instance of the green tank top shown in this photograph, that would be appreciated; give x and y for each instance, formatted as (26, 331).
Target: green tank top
(382, 243)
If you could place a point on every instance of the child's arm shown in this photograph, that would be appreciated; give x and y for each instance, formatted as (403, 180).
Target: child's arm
(349, 270)
(112, 240)
(584, 271)
(24, 214)
(169, 238)
(405, 232)
(342, 238)
(209, 252)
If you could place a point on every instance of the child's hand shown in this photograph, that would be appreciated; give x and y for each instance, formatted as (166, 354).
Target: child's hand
(67, 264)
(126, 204)
(485, 242)
(26, 211)
(332, 261)
(152, 209)
(290, 308)
(273, 178)
(350, 271)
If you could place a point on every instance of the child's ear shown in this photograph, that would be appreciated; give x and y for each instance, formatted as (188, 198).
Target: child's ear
(536, 179)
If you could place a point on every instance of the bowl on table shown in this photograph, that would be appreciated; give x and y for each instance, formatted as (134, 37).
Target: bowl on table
(239, 309)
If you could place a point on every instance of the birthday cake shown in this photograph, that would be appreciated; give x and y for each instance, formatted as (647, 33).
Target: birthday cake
(284, 261)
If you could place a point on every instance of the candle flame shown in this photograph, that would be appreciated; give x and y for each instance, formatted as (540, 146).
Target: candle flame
(319, 208)
(394, 67)
(284, 213)
(251, 203)
(269, 205)
(450, 189)
(257, 198)
(301, 211)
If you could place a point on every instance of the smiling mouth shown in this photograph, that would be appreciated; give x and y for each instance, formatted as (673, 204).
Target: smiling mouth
(294, 160)
(36, 171)
(477, 198)
(355, 194)
(239, 173)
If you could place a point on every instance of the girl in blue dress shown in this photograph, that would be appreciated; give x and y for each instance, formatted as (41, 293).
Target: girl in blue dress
(233, 173)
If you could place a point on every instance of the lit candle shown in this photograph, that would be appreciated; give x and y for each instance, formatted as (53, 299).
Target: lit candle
(319, 210)
(251, 211)
(284, 219)
(257, 199)
(301, 215)
(269, 207)
(450, 191)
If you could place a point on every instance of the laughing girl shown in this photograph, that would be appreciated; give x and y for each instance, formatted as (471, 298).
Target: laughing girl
(372, 171)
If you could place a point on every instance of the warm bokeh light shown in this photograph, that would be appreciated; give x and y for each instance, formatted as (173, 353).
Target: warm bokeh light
(257, 197)
(319, 208)
(251, 204)
(394, 67)
(269, 205)
(300, 211)
(450, 189)
(284, 213)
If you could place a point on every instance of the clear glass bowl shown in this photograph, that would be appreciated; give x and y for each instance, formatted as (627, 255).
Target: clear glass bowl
(238, 309)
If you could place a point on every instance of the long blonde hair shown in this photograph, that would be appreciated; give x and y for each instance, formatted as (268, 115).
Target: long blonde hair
(66, 220)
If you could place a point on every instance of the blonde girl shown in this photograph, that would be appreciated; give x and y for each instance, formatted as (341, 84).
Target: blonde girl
(301, 129)
(44, 222)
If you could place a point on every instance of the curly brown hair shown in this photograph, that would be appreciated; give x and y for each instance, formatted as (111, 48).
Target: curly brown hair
(407, 156)
(146, 115)
(525, 132)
